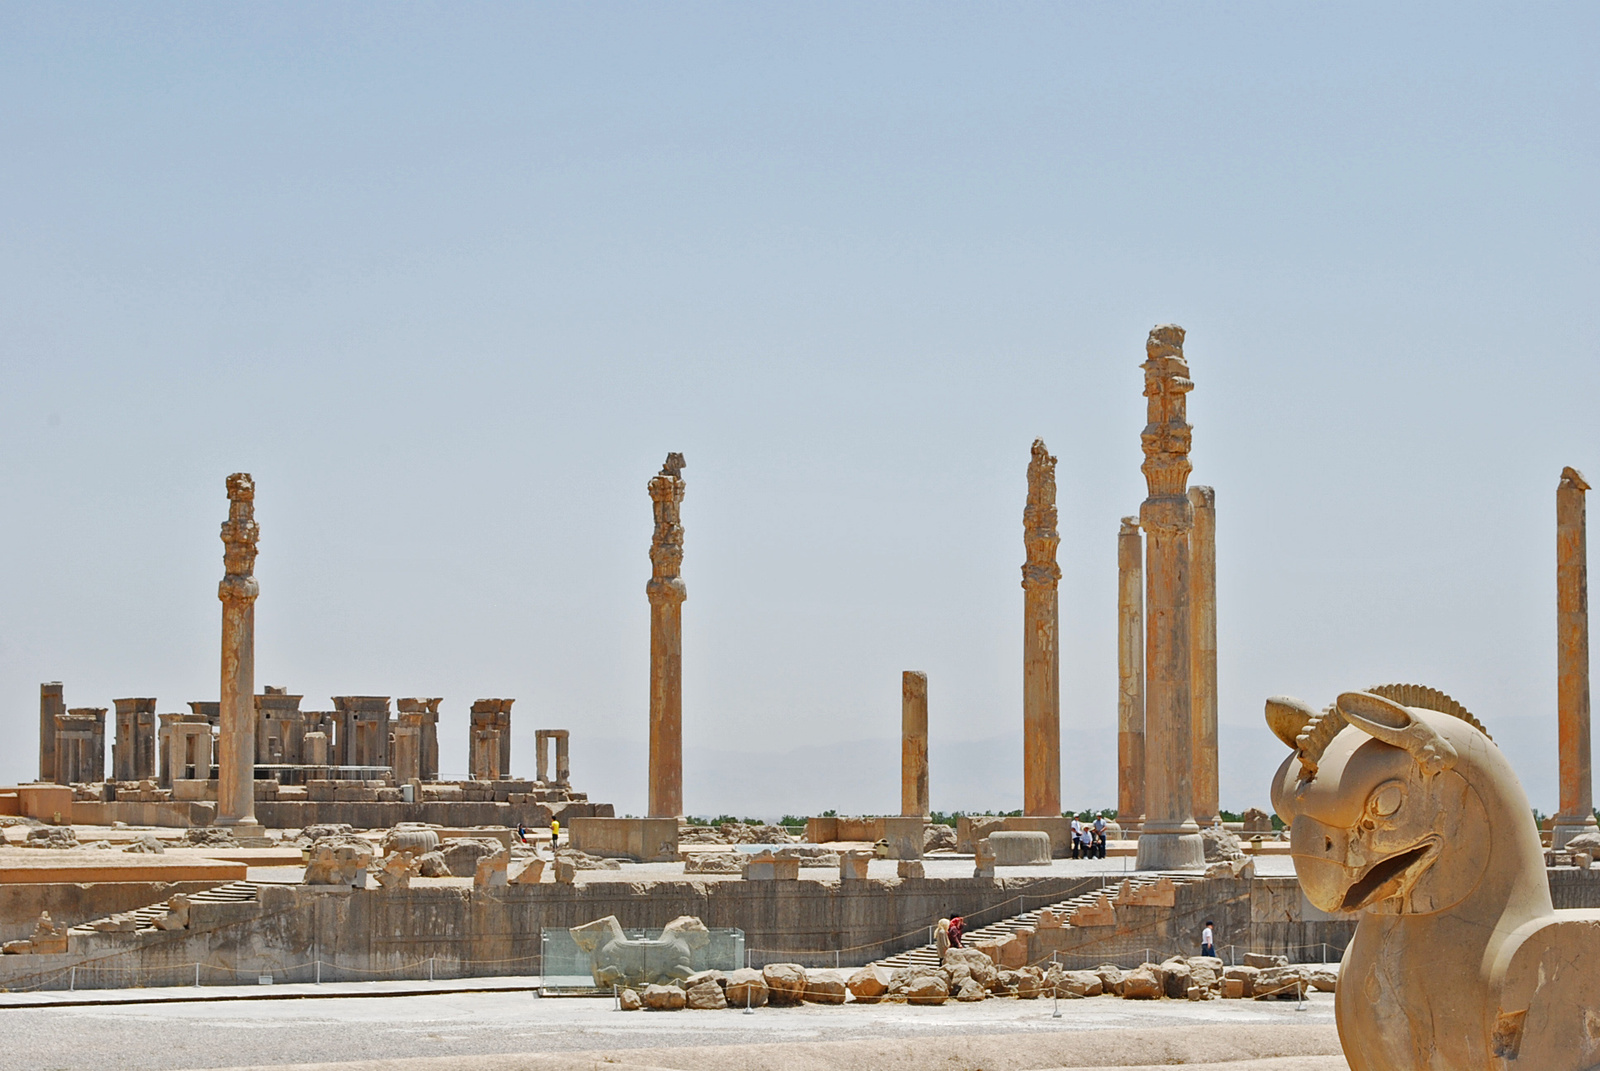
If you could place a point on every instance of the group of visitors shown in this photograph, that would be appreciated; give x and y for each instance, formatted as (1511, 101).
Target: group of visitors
(947, 934)
(1089, 839)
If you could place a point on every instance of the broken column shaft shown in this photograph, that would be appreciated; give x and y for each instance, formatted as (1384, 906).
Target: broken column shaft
(1203, 651)
(1041, 661)
(1572, 660)
(913, 744)
(1130, 676)
(666, 592)
(236, 746)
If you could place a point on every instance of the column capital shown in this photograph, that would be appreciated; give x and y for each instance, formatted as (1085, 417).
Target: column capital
(1572, 480)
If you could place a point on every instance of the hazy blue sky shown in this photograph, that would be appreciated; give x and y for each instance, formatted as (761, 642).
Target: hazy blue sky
(451, 280)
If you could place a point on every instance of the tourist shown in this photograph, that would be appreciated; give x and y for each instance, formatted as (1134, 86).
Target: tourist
(957, 927)
(1087, 837)
(1100, 836)
(941, 938)
(1076, 829)
(1208, 939)
(522, 833)
(555, 834)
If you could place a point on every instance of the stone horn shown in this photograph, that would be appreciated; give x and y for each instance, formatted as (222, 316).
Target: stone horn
(1394, 724)
(1287, 717)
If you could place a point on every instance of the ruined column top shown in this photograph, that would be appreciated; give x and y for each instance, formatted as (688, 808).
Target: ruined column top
(240, 537)
(1572, 480)
(1039, 536)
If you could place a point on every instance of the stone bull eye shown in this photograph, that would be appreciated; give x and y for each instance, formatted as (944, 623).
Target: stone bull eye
(1387, 798)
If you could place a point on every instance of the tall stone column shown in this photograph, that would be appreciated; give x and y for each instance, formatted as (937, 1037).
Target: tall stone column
(1041, 661)
(52, 704)
(1170, 838)
(666, 592)
(1203, 651)
(1130, 677)
(236, 746)
(914, 744)
(1572, 660)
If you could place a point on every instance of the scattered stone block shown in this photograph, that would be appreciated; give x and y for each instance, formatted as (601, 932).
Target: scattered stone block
(869, 984)
(1111, 977)
(663, 998)
(1176, 978)
(746, 988)
(340, 860)
(1280, 983)
(978, 965)
(938, 837)
(983, 860)
(51, 837)
(628, 1000)
(1232, 988)
(853, 864)
(461, 854)
(824, 987)
(707, 996)
(396, 870)
(147, 844)
(970, 991)
(413, 840)
(530, 872)
(1141, 984)
(713, 863)
(491, 871)
(1020, 847)
(910, 868)
(432, 865)
(786, 983)
(765, 866)
(1261, 960)
(1080, 983)
(927, 988)
(1162, 893)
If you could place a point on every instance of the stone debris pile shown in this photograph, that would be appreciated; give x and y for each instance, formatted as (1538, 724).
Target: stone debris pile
(969, 975)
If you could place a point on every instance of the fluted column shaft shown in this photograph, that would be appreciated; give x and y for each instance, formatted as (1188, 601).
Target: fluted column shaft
(1203, 651)
(1130, 676)
(1572, 660)
(1041, 657)
(666, 592)
(236, 745)
(913, 744)
(1170, 837)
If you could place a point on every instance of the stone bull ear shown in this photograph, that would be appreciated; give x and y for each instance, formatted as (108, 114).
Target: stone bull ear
(1288, 717)
(1394, 724)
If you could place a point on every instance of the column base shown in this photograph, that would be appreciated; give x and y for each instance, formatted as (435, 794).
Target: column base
(247, 831)
(1170, 851)
(1563, 829)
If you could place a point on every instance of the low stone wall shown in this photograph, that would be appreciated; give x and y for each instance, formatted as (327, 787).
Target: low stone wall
(644, 840)
(70, 903)
(177, 814)
(905, 835)
(298, 815)
(450, 931)
(1059, 829)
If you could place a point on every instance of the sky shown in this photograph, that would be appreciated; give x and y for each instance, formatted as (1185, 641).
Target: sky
(451, 280)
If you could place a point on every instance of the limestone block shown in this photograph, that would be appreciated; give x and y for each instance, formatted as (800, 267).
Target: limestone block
(1203, 974)
(339, 861)
(1049, 920)
(1280, 983)
(905, 836)
(713, 863)
(868, 985)
(663, 998)
(396, 870)
(1220, 844)
(16, 948)
(824, 987)
(628, 1000)
(147, 844)
(616, 959)
(1099, 913)
(432, 865)
(1240, 869)
(530, 872)
(1020, 848)
(585, 861)
(1245, 975)
(970, 990)
(700, 977)
(461, 854)
(1322, 979)
(983, 859)
(1026, 983)
(1584, 842)
(177, 916)
(938, 837)
(1176, 977)
(746, 989)
(1261, 961)
(566, 873)
(1257, 821)
(1007, 953)
(786, 983)
(1081, 983)
(491, 871)
(910, 868)
(978, 965)
(853, 864)
(927, 989)
(48, 938)
(1141, 984)
(1111, 977)
(707, 996)
(115, 924)
(51, 837)
(1232, 988)
(765, 866)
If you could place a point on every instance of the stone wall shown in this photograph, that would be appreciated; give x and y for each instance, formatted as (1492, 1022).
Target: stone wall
(71, 903)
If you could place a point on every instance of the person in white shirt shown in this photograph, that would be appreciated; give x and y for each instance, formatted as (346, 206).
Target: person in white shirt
(1208, 939)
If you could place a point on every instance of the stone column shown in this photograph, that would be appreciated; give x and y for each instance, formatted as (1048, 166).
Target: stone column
(52, 703)
(666, 592)
(1130, 677)
(1170, 838)
(1041, 662)
(1203, 651)
(236, 747)
(914, 744)
(133, 754)
(1572, 660)
(563, 758)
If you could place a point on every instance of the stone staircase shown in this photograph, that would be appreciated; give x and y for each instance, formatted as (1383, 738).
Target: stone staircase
(926, 956)
(144, 918)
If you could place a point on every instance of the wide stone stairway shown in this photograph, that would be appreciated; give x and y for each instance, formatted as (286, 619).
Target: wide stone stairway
(926, 956)
(144, 918)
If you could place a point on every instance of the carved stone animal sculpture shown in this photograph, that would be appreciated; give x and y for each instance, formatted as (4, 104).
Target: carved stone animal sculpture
(1401, 809)
(617, 959)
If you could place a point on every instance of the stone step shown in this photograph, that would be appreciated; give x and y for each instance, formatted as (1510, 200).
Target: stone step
(235, 892)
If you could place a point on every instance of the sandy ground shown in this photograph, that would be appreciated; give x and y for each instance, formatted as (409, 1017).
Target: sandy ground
(508, 1031)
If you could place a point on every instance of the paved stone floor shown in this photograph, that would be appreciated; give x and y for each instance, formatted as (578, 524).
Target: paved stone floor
(215, 1034)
